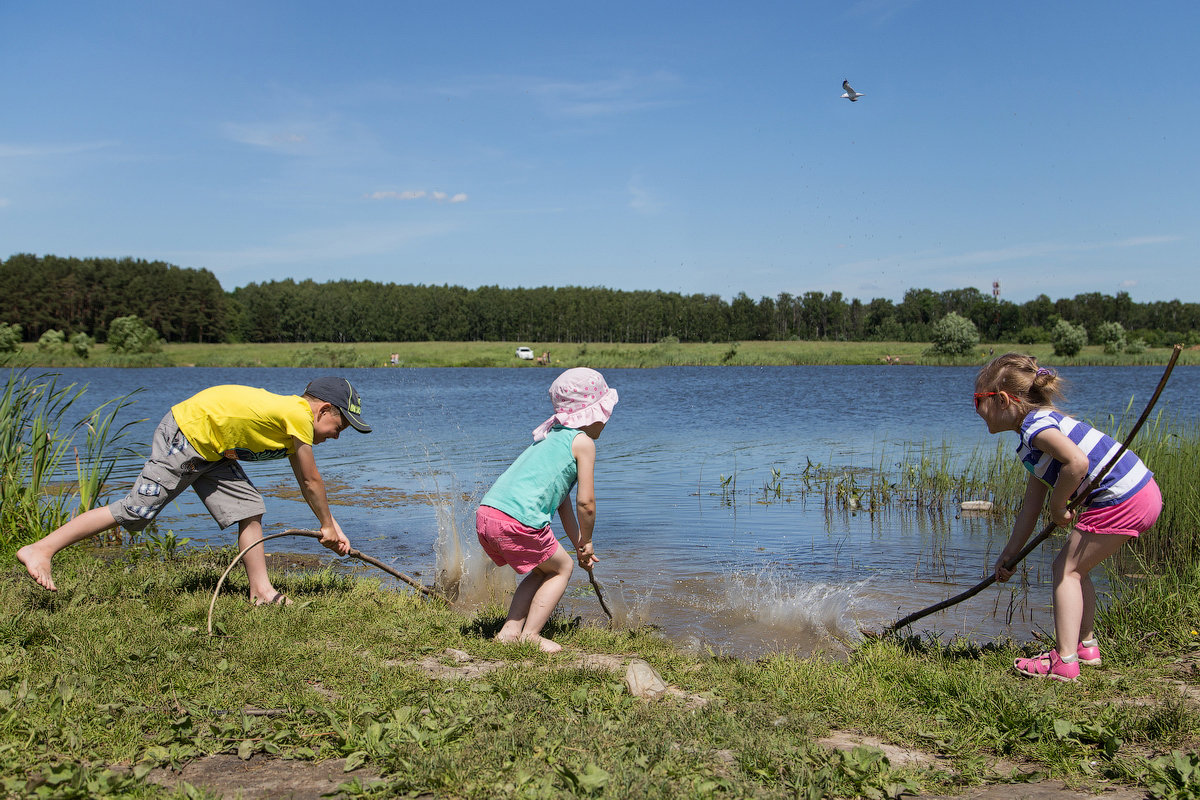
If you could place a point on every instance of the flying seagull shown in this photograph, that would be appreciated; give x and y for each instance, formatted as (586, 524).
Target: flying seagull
(850, 94)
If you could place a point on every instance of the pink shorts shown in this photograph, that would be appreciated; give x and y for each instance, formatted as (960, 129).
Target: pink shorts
(507, 541)
(1129, 518)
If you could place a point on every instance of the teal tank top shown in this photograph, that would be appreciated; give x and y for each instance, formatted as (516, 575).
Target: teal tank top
(531, 489)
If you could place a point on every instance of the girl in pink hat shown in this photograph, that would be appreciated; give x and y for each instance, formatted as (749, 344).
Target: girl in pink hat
(513, 520)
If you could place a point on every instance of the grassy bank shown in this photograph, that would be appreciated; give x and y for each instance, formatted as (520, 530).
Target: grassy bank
(116, 670)
(597, 355)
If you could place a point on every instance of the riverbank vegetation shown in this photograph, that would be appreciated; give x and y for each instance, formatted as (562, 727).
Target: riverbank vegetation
(112, 682)
(560, 356)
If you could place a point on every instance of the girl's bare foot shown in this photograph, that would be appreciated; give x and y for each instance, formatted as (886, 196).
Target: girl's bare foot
(544, 644)
(507, 638)
(38, 567)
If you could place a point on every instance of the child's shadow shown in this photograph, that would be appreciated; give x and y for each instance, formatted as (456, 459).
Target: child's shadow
(487, 625)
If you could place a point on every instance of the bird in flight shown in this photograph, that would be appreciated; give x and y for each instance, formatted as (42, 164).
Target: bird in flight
(850, 94)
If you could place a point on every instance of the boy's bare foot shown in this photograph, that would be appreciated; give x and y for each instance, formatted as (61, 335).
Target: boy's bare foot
(38, 567)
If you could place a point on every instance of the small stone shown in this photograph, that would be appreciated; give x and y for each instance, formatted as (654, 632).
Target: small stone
(643, 681)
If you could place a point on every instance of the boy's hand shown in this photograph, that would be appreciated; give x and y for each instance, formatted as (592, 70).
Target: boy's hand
(586, 555)
(333, 538)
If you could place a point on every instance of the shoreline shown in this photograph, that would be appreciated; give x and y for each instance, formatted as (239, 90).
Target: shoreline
(327, 355)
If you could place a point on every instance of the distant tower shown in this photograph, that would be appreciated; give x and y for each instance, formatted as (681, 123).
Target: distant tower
(996, 290)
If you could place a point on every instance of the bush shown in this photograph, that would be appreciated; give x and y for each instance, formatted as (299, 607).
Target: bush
(953, 335)
(1112, 336)
(1032, 334)
(10, 338)
(81, 343)
(1136, 347)
(131, 335)
(1068, 339)
(51, 340)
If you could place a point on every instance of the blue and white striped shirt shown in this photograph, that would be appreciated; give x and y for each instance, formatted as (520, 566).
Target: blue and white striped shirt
(1120, 483)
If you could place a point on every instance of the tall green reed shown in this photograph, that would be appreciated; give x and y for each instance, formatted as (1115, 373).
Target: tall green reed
(38, 424)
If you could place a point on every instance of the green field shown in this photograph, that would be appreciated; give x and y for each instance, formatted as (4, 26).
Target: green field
(596, 354)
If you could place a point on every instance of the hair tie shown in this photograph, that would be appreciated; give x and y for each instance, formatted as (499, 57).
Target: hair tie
(1043, 371)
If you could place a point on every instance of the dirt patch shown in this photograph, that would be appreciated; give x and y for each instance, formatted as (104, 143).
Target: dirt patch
(263, 777)
(1045, 790)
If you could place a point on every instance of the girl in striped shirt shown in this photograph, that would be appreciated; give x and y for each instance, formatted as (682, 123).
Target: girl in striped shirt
(1062, 456)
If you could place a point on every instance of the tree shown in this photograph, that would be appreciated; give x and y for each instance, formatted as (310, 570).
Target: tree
(1112, 336)
(51, 340)
(81, 343)
(953, 335)
(131, 335)
(10, 338)
(1068, 339)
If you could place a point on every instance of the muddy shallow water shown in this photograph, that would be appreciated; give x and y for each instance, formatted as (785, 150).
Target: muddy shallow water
(705, 528)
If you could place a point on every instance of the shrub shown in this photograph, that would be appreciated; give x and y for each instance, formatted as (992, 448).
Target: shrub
(51, 340)
(81, 343)
(1136, 347)
(1112, 336)
(1032, 334)
(131, 335)
(10, 338)
(953, 335)
(1068, 339)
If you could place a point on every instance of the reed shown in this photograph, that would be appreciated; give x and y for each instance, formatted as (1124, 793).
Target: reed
(38, 424)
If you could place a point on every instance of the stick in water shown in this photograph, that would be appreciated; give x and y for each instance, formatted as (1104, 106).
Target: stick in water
(315, 535)
(1049, 529)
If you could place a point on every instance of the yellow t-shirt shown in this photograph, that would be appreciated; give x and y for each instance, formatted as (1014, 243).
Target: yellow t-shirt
(256, 424)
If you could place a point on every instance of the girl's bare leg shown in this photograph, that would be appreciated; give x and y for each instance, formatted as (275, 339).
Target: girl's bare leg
(535, 600)
(518, 609)
(557, 571)
(1074, 595)
(36, 557)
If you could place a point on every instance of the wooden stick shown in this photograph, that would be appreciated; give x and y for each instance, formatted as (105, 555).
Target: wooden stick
(1049, 529)
(599, 594)
(315, 535)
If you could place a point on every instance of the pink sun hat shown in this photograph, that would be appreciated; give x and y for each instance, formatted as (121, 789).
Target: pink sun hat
(580, 397)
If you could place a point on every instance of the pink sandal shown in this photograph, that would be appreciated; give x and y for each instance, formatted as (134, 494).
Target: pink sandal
(1047, 665)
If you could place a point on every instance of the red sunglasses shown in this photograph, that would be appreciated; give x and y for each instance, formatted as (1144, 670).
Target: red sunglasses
(980, 395)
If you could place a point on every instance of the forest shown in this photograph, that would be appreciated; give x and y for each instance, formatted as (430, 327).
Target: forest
(84, 295)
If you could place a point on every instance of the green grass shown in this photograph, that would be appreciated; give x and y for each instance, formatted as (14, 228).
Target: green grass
(116, 669)
(563, 355)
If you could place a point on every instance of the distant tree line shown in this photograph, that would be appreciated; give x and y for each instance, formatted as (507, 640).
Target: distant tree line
(73, 295)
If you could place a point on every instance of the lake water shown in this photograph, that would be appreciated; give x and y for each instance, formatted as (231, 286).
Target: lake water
(689, 539)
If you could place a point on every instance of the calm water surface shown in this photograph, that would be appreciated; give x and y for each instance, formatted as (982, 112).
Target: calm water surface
(686, 540)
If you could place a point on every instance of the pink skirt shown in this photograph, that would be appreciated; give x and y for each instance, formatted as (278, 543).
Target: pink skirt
(1129, 518)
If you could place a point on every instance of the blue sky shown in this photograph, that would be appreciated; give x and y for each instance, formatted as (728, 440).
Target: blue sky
(693, 147)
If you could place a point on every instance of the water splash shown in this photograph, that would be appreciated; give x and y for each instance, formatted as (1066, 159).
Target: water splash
(464, 573)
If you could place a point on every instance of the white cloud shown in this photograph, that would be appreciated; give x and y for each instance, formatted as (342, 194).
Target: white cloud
(39, 150)
(5, 202)
(641, 199)
(417, 194)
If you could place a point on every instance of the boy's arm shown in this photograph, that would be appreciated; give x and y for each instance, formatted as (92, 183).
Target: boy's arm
(312, 486)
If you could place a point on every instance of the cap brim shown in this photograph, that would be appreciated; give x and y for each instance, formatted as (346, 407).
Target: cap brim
(355, 421)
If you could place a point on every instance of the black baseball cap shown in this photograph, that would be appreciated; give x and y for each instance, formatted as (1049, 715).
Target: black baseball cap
(339, 393)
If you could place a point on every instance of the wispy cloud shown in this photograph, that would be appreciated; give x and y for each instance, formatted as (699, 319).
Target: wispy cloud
(641, 199)
(41, 150)
(5, 202)
(1002, 255)
(418, 194)
(622, 94)
(322, 245)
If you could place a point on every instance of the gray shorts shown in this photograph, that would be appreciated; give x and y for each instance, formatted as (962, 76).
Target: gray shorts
(223, 485)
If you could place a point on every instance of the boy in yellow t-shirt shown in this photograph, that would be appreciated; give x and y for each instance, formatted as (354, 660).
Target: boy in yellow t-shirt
(199, 443)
